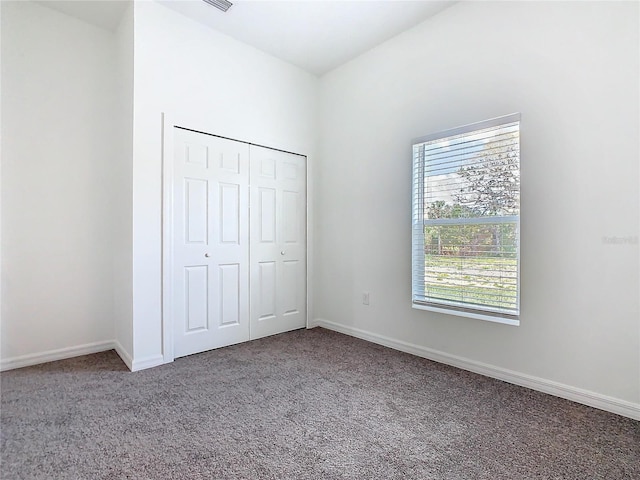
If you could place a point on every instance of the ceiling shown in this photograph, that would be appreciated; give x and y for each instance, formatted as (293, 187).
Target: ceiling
(315, 35)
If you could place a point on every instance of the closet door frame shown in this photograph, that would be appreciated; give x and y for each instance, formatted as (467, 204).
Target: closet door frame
(169, 121)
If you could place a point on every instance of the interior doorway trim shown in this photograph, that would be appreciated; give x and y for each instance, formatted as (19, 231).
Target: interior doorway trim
(169, 122)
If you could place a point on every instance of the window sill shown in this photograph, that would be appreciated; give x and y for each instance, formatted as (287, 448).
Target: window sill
(458, 313)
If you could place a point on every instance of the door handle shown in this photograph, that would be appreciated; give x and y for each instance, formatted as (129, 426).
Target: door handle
(207, 255)
(282, 252)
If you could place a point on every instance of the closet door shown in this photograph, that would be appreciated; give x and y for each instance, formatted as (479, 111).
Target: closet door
(210, 277)
(278, 241)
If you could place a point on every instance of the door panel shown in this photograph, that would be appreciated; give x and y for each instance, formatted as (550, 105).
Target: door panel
(278, 243)
(265, 287)
(229, 214)
(290, 275)
(210, 247)
(196, 215)
(290, 216)
(230, 294)
(196, 153)
(196, 286)
(267, 215)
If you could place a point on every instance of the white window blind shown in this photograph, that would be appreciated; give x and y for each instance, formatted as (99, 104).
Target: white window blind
(466, 220)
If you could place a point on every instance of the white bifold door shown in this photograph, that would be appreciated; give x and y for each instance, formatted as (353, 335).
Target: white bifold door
(238, 267)
(211, 242)
(278, 242)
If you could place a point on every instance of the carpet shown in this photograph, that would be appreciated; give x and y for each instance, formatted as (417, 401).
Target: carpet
(308, 404)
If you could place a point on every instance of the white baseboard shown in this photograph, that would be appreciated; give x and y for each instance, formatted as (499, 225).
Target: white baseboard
(135, 365)
(586, 397)
(53, 355)
(148, 362)
(87, 349)
(123, 354)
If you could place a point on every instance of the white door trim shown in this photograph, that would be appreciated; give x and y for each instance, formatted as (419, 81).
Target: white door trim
(169, 121)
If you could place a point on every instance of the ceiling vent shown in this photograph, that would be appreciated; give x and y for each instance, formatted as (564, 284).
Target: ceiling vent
(223, 5)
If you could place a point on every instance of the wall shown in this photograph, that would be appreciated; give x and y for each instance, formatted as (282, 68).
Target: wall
(571, 69)
(1, 309)
(57, 136)
(123, 192)
(220, 85)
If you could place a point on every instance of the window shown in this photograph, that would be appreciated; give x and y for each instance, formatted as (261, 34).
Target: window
(466, 221)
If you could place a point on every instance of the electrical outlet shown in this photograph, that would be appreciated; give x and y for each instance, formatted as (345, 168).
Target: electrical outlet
(365, 298)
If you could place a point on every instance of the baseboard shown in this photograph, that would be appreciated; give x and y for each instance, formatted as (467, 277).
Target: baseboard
(147, 362)
(79, 350)
(123, 354)
(53, 355)
(585, 397)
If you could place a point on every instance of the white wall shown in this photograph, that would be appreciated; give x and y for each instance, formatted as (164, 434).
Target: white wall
(571, 69)
(123, 192)
(57, 145)
(220, 85)
(1, 42)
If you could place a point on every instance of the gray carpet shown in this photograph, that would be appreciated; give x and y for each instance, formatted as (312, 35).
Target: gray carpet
(302, 405)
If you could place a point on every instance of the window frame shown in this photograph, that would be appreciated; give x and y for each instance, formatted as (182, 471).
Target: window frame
(487, 314)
